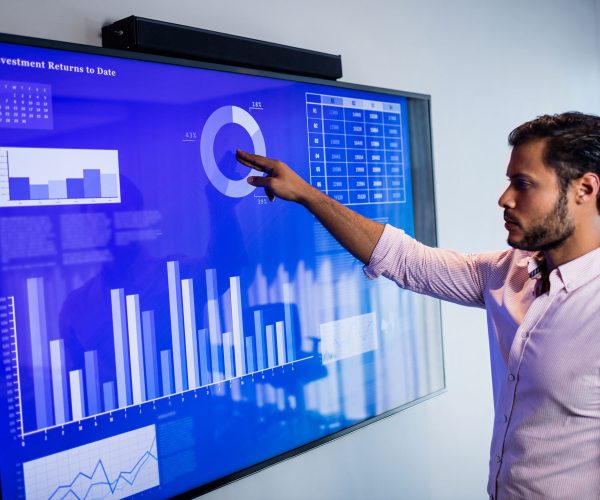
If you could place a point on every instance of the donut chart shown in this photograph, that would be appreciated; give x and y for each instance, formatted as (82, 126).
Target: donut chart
(225, 115)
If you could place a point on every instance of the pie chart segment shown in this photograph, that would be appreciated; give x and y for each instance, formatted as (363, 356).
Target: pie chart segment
(225, 115)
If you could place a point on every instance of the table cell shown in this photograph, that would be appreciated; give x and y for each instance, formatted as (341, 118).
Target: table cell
(317, 169)
(392, 131)
(395, 182)
(357, 169)
(333, 113)
(315, 125)
(396, 195)
(341, 196)
(338, 169)
(377, 183)
(391, 107)
(392, 143)
(333, 127)
(359, 196)
(314, 110)
(330, 99)
(354, 115)
(337, 183)
(391, 118)
(318, 182)
(356, 155)
(393, 157)
(375, 156)
(373, 117)
(374, 130)
(335, 155)
(317, 154)
(377, 196)
(355, 129)
(335, 141)
(354, 141)
(377, 169)
(313, 98)
(375, 143)
(315, 140)
(394, 169)
(358, 183)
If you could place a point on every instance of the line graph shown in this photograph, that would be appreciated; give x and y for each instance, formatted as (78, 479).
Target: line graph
(114, 467)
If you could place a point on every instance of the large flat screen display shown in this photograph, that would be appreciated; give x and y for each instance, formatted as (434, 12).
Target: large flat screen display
(164, 327)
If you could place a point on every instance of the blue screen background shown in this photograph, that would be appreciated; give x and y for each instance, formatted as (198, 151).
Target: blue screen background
(344, 349)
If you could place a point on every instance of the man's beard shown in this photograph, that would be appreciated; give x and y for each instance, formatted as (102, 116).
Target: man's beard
(550, 232)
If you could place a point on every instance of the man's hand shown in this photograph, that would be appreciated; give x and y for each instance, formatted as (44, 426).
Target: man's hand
(280, 181)
(355, 232)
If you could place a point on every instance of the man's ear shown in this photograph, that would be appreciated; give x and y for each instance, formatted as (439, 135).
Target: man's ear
(587, 188)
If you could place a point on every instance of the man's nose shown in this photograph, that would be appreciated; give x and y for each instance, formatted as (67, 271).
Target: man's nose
(506, 200)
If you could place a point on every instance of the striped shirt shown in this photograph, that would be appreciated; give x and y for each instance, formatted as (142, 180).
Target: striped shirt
(545, 358)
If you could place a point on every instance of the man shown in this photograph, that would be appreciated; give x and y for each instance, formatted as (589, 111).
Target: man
(541, 298)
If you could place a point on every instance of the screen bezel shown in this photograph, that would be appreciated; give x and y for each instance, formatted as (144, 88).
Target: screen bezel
(423, 188)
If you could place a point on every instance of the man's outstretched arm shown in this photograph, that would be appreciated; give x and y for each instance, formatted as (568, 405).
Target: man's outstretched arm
(356, 233)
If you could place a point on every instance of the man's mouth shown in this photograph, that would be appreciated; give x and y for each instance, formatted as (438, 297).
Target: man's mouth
(510, 221)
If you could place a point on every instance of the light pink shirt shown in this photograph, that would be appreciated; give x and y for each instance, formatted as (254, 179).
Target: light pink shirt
(545, 357)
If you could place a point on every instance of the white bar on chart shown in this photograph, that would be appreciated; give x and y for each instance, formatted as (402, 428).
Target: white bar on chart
(227, 354)
(280, 331)
(189, 323)
(203, 353)
(259, 334)
(177, 335)
(166, 367)
(134, 325)
(119, 319)
(40, 356)
(150, 360)
(108, 391)
(238, 326)
(76, 387)
(214, 324)
(92, 382)
(59, 381)
(250, 355)
(289, 322)
(270, 333)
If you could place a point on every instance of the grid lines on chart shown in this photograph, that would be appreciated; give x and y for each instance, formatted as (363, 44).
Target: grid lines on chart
(114, 467)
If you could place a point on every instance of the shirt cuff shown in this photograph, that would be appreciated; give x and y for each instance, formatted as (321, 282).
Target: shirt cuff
(384, 252)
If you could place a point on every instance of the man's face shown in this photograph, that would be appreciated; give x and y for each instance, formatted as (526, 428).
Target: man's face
(536, 211)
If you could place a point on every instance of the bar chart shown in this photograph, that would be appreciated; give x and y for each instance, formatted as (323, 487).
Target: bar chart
(198, 356)
(52, 176)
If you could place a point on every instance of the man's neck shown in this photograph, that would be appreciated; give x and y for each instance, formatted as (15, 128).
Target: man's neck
(580, 243)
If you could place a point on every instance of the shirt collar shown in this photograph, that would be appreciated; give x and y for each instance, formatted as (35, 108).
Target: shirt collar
(581, 270)
(573, 274)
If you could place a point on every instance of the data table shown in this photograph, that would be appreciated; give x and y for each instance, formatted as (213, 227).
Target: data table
(356, 149)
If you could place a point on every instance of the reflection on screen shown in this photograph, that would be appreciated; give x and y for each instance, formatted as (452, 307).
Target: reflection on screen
(163, 325)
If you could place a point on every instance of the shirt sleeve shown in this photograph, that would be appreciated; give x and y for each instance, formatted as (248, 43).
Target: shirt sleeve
(444, 274)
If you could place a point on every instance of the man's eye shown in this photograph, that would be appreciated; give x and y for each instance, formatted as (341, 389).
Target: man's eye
(520, 184)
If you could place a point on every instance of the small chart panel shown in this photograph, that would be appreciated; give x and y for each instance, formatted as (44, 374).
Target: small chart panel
(25, 105)
(52, 176)
(116, 467)
(356, 149)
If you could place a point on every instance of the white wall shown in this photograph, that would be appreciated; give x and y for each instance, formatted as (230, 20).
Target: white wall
(489, 66)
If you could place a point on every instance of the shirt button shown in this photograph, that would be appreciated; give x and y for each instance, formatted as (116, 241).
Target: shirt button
(498, 458)
(525, 335)
(511, 377)
(505, 418)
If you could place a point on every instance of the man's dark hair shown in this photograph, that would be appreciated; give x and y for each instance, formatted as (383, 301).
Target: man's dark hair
(572, 144)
